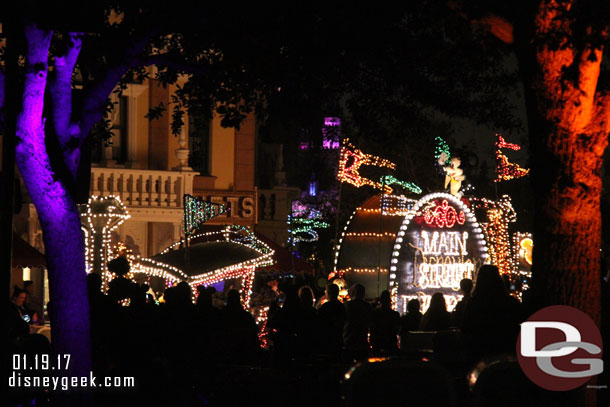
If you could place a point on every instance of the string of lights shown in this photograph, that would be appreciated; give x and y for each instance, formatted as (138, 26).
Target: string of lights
(523, 245)
(350, 161)
(499, 214)
(102, 214)
(441, 147)
(506, 170)
(99, 217)
(362, 270)
(197, 211)
(338, 245)
(390, 180)
(396, 205)
(419, 209)
(370, 234)
(302, 224)
(443, 216)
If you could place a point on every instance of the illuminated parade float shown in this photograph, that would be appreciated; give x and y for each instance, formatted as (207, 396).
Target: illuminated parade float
(418, 247)
(225, 254)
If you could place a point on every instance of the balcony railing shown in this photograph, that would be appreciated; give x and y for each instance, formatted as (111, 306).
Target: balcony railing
(143, 188)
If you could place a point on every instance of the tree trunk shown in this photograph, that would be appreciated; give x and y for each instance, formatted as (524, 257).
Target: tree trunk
(65, 252)
(567, 226)
(569, 123)
(57, 212)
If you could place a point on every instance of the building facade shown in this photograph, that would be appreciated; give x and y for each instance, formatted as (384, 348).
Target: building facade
(150, 170)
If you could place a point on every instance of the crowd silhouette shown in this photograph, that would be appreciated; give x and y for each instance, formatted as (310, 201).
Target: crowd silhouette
(185, 343)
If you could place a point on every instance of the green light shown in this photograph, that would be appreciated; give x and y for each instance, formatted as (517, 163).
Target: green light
(391, 180)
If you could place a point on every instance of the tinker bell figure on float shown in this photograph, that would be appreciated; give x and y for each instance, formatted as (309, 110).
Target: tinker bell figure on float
(454, 175)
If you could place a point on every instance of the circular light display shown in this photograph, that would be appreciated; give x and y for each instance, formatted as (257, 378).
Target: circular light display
(439, 243)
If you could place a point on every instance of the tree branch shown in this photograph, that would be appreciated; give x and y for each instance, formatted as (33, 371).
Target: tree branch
(36, 69)
(96, 95)
(164, 60)
(498, 26)
(61, 90)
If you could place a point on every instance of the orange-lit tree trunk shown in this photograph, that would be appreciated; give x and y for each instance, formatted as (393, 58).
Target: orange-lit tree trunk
(569, 124)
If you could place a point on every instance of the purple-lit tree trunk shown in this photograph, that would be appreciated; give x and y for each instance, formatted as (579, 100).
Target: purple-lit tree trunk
(56, 209)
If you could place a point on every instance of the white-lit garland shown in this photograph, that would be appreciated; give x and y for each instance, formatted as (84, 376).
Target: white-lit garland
(100, 216)
(499, 214)
(360, 270)
(396, 205)
(519, 241)
(338, 246)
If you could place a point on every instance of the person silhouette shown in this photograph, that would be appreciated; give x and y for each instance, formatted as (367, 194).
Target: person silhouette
(458, 312)
(385, 327)
(236, 337)
(358, 321)
(308, 325)
(491, 317)
(436, 317)
(410, 321)
(332, 319)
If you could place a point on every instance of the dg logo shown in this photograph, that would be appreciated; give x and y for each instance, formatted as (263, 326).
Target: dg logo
(560, 348)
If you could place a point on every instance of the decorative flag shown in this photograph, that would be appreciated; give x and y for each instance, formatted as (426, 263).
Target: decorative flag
(197, 211)
(350, 162)
(506, 170)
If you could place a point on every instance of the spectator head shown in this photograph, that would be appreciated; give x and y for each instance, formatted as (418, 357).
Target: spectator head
(332, 291)
(28, 286)
(233, 299)
(506, 281)
(413, 306)
(437, 303)
(19, 296)
(119, 266)
(183, 292)
(94, 283)
(138, 294)
(466, 286)
(291, 298)
(489, 283)
(385, 300)
(204, 299)
(357, 292)
(170, 295)
(306, 296)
